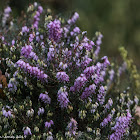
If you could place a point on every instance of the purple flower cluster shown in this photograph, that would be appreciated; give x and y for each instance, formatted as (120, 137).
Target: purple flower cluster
(62, 76)
(75, 31)
(63, 66)
(89, 71)
(45, 98)
(39, 37)
(72, 126)
(79, 83)
(12, 85)
(33, 71)
(98, 43)
(111, 77)
(65, 31)
(25, 51)
(73, 18)
(87, 44)
(111, 73)
(101, 95)
(6, 113)
(51, 53)
(94, 107)
(85, 62)
(36, 17)
(109, 104)
(2, 38)
(88, 91)
(66, 53)
(13, 42)
(99, 40)
(7, 10)
(49, 124)
(122, 124)
(6, 15)
(106, 121)
(105, 61)
(99, 74)
(25, 29)
(41, 111)
(28, 53)
(55, 30)
(79, 58)
(62, 97)
(31, 37)
(27, 131)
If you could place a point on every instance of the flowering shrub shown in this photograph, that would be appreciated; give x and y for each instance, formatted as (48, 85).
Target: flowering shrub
(58, 87)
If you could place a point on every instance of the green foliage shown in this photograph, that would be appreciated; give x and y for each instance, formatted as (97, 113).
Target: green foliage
(132, 71)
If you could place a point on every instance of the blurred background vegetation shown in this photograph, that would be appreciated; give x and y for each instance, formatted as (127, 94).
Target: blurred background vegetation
(118, 21)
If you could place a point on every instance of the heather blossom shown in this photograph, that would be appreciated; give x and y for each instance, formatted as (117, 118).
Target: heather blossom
(87, 44)
(62, 97)
(62, 76)
(33, 71)
(122, 124)
(74, 18)
(75, 31)
(12, 85)
(7, 10)
(105, 61)
(25, 51)
(27, 131)
(88, 91)
(109, 104)
(40, 9)
(55, 30)
(72, 126)
(13, 42)
(28, 53)
(51, 53)
(63, 66)
(111, 77)
(106, 121)
(45, 98)
(36, 17)
(89, 71)
(6, 113)
(30, 113)
(79, 83)
(31, 37)
(94, 107)
(25, 29)
(49, 124)
(101, 95)
(98, 43)
(86, 61)
(41, 111)
(6, 14)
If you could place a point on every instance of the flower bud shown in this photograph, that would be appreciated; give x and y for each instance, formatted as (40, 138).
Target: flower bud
(30, 113)
(15, 110)
(44, 134)
(13, 131)
(89, 129)
(36, 129)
